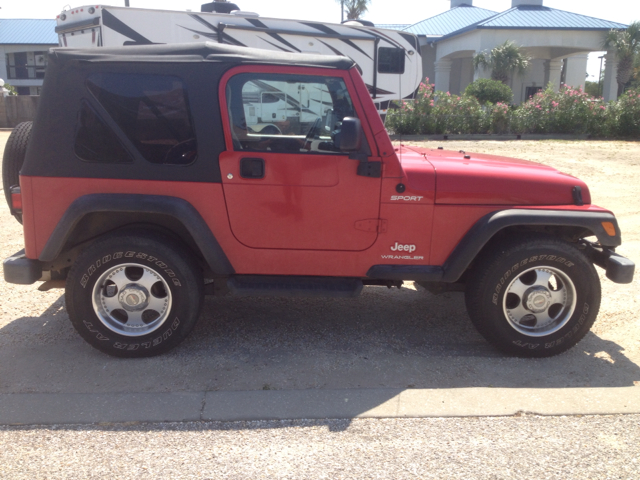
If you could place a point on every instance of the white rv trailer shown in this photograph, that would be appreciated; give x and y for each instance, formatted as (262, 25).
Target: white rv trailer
(389, 60)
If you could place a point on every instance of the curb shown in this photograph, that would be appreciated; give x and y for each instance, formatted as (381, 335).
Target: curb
(67, 408)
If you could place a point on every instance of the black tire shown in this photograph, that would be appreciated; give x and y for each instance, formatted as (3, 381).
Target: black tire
(533, 296)
(13, 158)
(129, 275)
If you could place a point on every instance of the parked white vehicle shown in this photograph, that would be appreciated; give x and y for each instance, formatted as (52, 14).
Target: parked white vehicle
(389, 60)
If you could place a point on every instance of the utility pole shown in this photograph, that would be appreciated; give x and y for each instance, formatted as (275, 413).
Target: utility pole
(341, 11)
(126, 3)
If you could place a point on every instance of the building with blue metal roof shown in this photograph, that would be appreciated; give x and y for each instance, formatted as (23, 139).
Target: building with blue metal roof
(451, 21)
(24, 44)
(557, 41)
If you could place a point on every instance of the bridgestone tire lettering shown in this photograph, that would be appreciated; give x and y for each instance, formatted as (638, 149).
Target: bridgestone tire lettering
(116, 256)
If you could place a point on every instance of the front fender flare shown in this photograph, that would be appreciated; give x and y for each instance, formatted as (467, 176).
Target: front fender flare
(489, 225)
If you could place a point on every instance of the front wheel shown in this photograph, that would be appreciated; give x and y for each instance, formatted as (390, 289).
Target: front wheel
(133, 295)
(534, 296)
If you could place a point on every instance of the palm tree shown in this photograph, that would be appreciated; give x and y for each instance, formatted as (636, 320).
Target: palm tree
(355, 8)
(503, 61)
(626, 45)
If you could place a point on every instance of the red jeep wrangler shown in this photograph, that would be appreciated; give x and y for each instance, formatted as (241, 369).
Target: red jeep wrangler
(156, 174)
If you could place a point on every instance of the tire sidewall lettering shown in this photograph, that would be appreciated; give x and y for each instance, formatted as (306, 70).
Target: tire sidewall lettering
(573, 331)
(155, 342)
(94, 267)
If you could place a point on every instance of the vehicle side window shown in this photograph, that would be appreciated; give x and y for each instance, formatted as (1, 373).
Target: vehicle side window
(390, 60)
(287, 113)
(152, 111)
(95, 141)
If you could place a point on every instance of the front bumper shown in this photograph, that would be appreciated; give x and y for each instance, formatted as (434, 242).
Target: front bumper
(619, 269)
(22, 270)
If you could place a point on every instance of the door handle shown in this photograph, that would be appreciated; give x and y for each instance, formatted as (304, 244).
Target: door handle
(252, 168)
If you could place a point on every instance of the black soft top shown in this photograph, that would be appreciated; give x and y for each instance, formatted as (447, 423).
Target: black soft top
(197, 52)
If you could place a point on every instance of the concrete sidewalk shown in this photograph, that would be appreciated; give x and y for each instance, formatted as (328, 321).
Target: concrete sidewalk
(67, 408)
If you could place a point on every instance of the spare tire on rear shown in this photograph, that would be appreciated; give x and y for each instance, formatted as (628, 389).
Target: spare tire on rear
(13, 159)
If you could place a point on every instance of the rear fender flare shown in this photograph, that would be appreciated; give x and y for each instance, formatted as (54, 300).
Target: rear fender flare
(175, 207)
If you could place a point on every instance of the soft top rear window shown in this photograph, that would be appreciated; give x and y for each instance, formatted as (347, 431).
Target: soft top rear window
(152, 111)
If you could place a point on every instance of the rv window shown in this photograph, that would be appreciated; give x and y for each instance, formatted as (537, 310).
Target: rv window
(95, 141)
(287, 113)
(390, 60)
(152, 111)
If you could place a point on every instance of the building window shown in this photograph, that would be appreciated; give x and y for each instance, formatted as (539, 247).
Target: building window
(26, 65)
(390, 60)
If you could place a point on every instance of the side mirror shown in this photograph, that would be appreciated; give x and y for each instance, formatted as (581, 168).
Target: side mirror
(350, 135)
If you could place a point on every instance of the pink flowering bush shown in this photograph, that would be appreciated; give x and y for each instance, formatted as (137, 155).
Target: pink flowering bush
(413, 116)
(500, 117)
(568, 111)
(458, 114)
(437, 112)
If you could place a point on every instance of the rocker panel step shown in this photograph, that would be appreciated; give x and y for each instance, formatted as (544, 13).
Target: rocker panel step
(281, 286)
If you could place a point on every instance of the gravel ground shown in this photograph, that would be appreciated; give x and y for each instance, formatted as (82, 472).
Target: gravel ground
(604, 447)
(400, 339)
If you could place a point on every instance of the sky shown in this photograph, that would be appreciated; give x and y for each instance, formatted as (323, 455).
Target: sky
(380, 11)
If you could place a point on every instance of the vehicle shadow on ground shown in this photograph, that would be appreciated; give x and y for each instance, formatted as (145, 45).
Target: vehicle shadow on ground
(385, 339)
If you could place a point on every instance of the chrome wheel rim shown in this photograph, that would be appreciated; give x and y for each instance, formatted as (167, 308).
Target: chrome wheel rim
(539, 301)
(131, 299)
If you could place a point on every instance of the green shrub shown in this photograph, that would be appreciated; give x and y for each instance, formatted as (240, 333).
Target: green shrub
(624, 115)
(592, 88)
(489, 91)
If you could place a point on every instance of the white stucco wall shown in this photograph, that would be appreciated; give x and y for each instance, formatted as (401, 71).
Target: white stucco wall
(548, 49)
(428, 62)
(576, 71)
(534, 77)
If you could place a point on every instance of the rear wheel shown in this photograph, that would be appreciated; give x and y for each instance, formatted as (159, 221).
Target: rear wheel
(534, 296)
(133, 295)
(13, 159)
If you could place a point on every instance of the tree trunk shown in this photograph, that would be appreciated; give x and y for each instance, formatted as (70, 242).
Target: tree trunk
(625, 71)
(499, 76)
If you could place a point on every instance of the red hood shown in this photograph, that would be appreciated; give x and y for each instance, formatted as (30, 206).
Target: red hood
(493, 180)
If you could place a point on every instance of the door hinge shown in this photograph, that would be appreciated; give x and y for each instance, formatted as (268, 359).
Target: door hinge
(370, 169)
(366, 168)
(372, 225)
